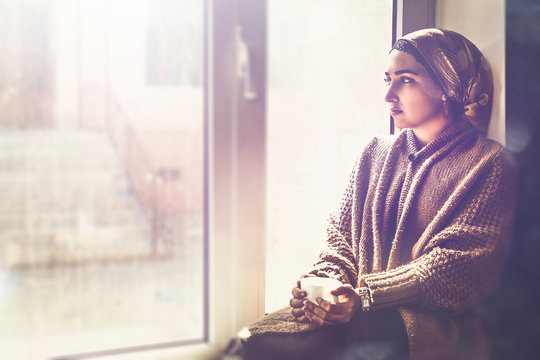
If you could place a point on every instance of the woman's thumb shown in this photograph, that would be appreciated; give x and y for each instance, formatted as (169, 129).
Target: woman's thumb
(342, 290)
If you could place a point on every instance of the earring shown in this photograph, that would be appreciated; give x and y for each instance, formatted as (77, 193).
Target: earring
(444, 106)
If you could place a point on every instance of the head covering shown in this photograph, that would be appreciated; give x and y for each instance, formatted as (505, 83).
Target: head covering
(459, 67)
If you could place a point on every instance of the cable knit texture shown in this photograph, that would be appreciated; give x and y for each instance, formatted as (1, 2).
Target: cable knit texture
(427, 228)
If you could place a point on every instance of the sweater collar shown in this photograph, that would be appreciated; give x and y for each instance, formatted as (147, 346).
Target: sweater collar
(416, 151)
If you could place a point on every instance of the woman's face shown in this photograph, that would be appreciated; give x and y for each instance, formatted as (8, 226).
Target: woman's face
(414, 97)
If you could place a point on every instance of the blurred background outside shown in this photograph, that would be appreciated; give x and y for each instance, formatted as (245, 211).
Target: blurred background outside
(101, 175)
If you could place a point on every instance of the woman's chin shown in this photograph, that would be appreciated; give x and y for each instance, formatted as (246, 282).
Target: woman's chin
(400, 124)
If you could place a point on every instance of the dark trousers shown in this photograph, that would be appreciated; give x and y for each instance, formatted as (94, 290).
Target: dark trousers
(373, 335)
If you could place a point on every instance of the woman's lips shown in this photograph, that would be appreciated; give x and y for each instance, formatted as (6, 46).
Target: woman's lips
(394, 112)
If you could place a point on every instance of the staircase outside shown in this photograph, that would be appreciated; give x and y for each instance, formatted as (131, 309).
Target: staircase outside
(66, 200)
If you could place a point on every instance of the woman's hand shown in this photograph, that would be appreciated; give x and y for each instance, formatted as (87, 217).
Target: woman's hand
(297, 302)
(333, 314)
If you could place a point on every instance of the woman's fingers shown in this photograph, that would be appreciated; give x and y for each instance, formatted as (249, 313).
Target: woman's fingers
(296, 303)
(298, 293)
(348, 297)
(300, 315)
(325, 313)
(314, 317)
(298, 282)
(345, 289)
(332, 308)
(318, 312)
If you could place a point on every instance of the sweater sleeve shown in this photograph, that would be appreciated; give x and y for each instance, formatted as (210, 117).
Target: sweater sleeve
(337, 259)
(461, 263)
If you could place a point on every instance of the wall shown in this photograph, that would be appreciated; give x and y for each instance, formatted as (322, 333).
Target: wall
(483, 22)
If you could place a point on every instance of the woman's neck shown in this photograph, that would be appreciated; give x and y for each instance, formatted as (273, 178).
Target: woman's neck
(429, 131)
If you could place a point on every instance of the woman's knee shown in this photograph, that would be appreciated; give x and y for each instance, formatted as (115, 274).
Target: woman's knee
(319, 344)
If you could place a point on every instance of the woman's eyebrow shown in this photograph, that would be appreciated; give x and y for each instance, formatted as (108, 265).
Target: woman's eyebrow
(399, 72)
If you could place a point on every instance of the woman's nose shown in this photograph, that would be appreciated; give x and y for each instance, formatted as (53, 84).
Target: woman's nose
(390, 95)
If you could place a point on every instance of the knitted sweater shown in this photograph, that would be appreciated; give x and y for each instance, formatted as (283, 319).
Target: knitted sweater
(427, 229)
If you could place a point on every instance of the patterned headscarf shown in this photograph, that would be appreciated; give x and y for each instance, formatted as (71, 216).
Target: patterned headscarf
(460, 68)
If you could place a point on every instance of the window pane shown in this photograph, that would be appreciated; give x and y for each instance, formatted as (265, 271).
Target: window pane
(325, 99)
(101, 175)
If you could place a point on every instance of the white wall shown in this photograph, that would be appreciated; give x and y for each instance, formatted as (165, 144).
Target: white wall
(482, 22)
(325, 99)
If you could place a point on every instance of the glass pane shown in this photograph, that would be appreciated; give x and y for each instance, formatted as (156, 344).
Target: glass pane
(325, 99)
(101, 175)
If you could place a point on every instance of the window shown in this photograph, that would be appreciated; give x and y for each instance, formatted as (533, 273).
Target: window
(102, 212)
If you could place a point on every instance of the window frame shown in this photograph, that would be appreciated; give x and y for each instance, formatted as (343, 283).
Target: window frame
(233, 160)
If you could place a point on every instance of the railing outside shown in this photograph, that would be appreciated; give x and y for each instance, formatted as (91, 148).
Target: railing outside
(140, 173)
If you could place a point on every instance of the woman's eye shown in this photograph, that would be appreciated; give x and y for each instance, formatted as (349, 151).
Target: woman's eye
(407, 80)
(387, 81)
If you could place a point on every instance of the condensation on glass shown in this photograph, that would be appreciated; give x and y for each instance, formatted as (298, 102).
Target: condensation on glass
(101, 175)
(326, 64)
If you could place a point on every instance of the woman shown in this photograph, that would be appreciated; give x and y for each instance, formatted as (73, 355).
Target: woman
(423, 228)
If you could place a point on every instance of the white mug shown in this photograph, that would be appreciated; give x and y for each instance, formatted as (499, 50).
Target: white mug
(320, 287)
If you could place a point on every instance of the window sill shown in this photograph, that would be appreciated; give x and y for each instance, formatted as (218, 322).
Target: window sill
(203, 351)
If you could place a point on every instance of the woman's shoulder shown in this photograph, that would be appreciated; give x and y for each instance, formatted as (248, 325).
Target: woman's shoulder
(490, 153)
(373, 153)
(488, 148)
